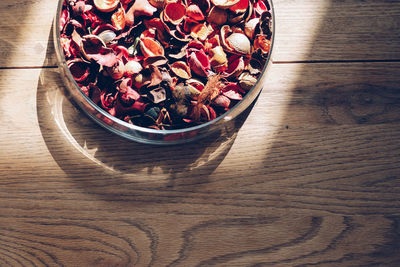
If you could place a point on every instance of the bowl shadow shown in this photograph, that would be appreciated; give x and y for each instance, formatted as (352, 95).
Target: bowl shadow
(82, 149)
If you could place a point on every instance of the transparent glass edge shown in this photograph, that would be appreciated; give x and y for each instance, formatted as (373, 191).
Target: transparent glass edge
(200, 130)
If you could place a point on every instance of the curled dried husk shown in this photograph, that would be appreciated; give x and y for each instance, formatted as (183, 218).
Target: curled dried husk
(233, 91)
(236, 66)
(194, 87)
(250, 27)
(157, 3)
(157, 95)
(224, 33)
(260, 7)
(193, 11)
(225, 4)
(93, 48)
(79, 69)
(207, 113)
(240, 7)
(126, 92)
(239, 43)
(132, 67)
(91, 44)
(261, 42)
(151, 47)
(117, 71)
(222, 101)
(247, 81)
(219, 61)
(181, 69)
(64, 19)
(199, 63)
(107, 36)
(174, 13)
(118, 19)
(155, 61)
(140, 7)
(106, 5)
(201, 31)
(104, 27)
(217, 16)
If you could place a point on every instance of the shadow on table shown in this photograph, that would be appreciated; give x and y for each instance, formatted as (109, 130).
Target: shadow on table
(308, 168)
(84, 149)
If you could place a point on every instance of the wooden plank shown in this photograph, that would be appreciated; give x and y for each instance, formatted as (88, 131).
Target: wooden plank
(316, 30)
(302, 182)
(305, 30)
(24, 33)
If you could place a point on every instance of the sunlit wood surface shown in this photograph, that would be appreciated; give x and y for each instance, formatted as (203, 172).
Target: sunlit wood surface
(311, 178)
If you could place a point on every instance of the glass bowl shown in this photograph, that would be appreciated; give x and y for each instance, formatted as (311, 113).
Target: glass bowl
(148, 135)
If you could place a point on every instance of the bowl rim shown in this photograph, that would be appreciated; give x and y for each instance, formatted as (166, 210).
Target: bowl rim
(62, 63)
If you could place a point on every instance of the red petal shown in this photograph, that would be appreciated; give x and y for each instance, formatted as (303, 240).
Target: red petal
(233, 91)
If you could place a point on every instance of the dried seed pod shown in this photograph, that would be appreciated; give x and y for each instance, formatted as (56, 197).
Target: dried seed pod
(250, 27)
(132, 67)
(157, 95)
(194, 12)
(106, 5)
(233, 91)
(195, 87)
(118, 19)
(239, 43)
(140, 7)
(107, 36)
(240, 7)
(181, 69)
(217, 16)
(199, 63)
(236, 66)
(117, 71)
(151, 47)
(201, 32)
(225, 4)
(247, 81)
(219, 61)
(93, 48)
(222, 101)
(261, 42)
(174, 13)
(157, 3)
(91, 44)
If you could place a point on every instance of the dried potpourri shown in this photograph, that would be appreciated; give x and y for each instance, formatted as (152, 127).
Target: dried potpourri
(166, 64)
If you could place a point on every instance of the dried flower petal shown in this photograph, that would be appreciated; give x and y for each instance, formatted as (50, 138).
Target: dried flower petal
(194, 12)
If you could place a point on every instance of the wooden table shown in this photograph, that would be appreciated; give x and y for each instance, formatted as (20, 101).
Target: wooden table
(312, 178)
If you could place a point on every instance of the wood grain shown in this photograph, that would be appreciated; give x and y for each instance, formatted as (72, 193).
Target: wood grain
(311, 30)
(311, 178)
